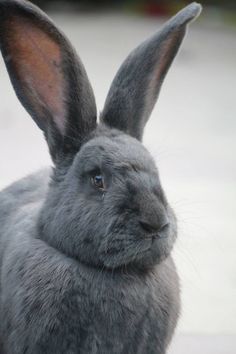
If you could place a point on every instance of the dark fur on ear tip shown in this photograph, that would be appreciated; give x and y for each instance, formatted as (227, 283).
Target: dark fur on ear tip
(186, 15)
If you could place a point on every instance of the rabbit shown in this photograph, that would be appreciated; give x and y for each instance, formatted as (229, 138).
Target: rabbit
(85, 246)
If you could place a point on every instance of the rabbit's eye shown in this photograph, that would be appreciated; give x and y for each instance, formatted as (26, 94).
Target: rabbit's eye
(98, 182)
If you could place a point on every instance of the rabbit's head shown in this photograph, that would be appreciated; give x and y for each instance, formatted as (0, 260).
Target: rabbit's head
(105, 205)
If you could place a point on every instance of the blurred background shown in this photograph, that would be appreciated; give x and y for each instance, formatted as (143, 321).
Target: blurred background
(191, 134)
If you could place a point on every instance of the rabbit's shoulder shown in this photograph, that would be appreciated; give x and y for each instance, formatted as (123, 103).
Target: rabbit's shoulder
(19, 206)
(30, 189)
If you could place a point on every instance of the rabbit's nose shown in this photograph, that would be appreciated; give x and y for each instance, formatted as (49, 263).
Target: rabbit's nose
(152, 227)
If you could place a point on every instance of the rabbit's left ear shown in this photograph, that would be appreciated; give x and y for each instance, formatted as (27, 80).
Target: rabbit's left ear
(47, 75)
(136, 86)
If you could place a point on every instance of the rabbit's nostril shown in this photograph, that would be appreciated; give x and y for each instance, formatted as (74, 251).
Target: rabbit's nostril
(152, 227)
(155, 230)
(147, 226)
(164, 227)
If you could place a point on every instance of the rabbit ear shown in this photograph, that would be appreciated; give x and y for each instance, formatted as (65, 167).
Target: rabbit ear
(136, 86)
(48, 77)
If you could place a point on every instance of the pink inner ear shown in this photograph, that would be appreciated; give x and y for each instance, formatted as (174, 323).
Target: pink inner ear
(163, 63)
(37, 62)
(166, 49)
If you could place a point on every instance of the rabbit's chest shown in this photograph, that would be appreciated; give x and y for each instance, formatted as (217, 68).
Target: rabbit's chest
(107, 317)
(51, 305)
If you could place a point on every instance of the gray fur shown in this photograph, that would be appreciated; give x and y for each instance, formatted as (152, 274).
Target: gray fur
(65, 130)
(137, 84)
(86, 270)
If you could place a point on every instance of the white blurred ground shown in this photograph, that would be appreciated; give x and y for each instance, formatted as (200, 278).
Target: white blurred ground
(192, 135)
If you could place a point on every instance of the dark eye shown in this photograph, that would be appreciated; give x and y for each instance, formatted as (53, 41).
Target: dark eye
(98, 181)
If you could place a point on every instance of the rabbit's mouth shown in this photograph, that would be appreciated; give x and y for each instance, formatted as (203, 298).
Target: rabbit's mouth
(141, 251)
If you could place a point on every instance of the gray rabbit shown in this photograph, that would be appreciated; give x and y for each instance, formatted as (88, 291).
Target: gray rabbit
(85, 263)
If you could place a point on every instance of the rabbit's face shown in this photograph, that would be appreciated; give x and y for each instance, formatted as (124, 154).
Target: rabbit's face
(114, 211)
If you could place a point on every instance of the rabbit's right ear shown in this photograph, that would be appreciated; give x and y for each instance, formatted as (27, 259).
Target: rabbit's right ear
(48, 77)
(136, 86)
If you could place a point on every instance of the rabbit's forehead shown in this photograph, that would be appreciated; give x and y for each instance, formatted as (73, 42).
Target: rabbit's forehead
(119, 149)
